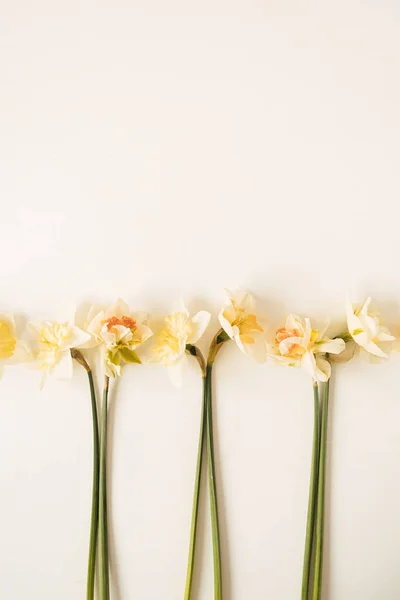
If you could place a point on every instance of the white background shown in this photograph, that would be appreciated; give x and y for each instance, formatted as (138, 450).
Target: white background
(156, 150)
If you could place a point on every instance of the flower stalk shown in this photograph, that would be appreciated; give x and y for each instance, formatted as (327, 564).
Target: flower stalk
(104, 587)
(194, 351)
(312, 498)
(94, 520)
(320, 516)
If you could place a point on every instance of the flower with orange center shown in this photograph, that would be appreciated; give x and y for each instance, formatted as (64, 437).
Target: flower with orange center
(239, 321)
(119, 331)
(299, 345)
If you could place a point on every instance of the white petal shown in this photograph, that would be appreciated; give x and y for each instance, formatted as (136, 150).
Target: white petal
(143, 333)
(323, 369)
(226, 326)
(309, 364)
(353, 322)
(256, 351)
(78, 337)
(64, 368)
(384, 335)
(330, 346)
(200, 323)
(364, 309)
(118, 309)
(176, 371)
(372, 348)
(286, 344)
(295, 323)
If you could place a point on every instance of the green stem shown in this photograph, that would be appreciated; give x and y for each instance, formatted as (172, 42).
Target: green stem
(319, 540)
(196, 497)
(312, 498)
(104, 587)
(95, 496)
(213, 489)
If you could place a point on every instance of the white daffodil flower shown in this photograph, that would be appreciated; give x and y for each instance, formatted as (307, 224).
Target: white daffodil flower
(119, 331)
(365, 329)
(298, 345)
(239, 322)
(179, 330)
(12, 349)
(51, 343)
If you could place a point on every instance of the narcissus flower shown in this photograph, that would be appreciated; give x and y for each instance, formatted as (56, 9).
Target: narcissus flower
(366, 330)
(239, 321)
(179, 330)
(51, 346)
(299, 345)
(119, 331)
(12, 350)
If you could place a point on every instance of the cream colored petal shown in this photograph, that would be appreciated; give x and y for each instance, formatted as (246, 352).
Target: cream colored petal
(363, 311)
(119, 309)
(143, 333)
(330, 346)
(199, 324)
(95, 325)
(140, 317)
(64, 368)
(176, 371)
(286, 344)
(307, 332)
(295, 323)
(78, 338)
(323, 369)
(284, 360)
(309, 364)
(257, 351)
(353, 322)
(374, 349)
(225, 324)
(384, 335)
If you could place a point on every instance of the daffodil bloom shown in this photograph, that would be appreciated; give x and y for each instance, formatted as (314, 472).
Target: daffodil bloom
(12, 350)
(52, 343)
(179, 331)
(299, 345)
(239, 321)
(119, 331)
(366, 330)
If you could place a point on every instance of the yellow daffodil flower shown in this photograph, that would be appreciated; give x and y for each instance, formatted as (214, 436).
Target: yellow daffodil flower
(179, 330)
(366, 330)
(299, 345)
(51, 347)
(239, 321)
(12, 349)
(119, 331)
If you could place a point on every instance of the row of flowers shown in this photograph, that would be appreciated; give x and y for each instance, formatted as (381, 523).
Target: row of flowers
(119, 331)
(53, 346)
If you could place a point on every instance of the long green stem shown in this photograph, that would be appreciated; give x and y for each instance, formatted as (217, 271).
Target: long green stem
(196, 497)
(95, 496)
(103, 529)
(312, 498)
(319, 539)
(213, 489)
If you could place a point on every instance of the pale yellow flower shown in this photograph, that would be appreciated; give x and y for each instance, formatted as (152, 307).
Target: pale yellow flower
(299, 345)
(366, 330)
(119, 331)
(178, 331)
(51, 343)
(12, 349)
(239, 321)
